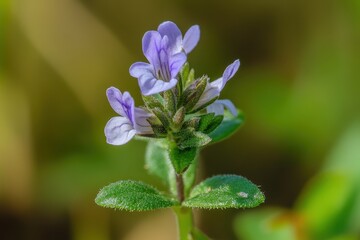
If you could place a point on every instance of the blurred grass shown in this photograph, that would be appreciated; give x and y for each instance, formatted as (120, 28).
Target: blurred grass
(298, 88)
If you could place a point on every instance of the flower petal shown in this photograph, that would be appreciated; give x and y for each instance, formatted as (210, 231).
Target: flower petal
(119, 130)
(176, 62)
(218, 107)
(230, 71)
(191, 38)
(140, 68)
(151, 44)
(209, 94)
(172, 31)
(149, 84)
(142, 125)
(115, 98)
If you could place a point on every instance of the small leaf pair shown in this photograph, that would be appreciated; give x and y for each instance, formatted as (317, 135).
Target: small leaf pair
(224, 191)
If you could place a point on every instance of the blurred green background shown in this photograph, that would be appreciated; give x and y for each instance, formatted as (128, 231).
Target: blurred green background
(298, 86)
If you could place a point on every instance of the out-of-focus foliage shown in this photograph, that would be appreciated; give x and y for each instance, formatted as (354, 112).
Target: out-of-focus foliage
(326, 209)
(298, 87)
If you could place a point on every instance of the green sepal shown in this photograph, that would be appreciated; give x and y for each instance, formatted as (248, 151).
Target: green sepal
(154, 101)
(132, 196)
(193, 93)
(228, 127)
(204, 105)
(225, 191)
(170, 102)
(163, 118)
(184, 74)
(181, 158)
(189, 138)
(178, 118)
(187, 75)
(157, 127)
(216, 121)
(190, 78)
(205, 121)
(192, 122)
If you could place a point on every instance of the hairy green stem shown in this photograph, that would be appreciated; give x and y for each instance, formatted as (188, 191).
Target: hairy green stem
(180, 187)
(184, 218)
(184, 215)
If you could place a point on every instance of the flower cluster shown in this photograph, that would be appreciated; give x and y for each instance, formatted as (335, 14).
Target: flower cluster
(177, 105)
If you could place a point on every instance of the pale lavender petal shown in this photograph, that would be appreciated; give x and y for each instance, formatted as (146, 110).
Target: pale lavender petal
(164, 71)
(115, 99)
(150, 85)
(142, 125)
(229, 105)
(119, 130)
(216, 108)
(191, 38)
(129, 106)
(151, 44)
(172, 31)
(140, 68)
(230, 72)
(209, 94)
(218, 84)
(176, 62)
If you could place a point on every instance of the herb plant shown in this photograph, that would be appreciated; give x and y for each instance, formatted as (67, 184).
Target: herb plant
(181, 115)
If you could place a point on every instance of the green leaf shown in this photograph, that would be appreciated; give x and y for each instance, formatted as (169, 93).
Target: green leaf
(205, 121)
(132, 196)
(225, 191)
(327, 203)
(182, 158)
(158, 163)
(269, 224)
(228, 127)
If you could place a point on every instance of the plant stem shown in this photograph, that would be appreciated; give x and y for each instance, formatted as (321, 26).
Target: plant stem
(184, 222)
(180, 187)
(184, 215)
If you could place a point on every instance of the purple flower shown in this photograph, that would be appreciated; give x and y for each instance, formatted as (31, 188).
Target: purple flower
(214, 88)
(219, 106)
(132, 120)
(176, 42)
(163, 50)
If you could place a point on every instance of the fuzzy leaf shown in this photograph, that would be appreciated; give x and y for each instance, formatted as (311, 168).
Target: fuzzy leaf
(157, 163)
(225, 191)
(228, 127)
(132, 196)
(182, 158)
(205, 121)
